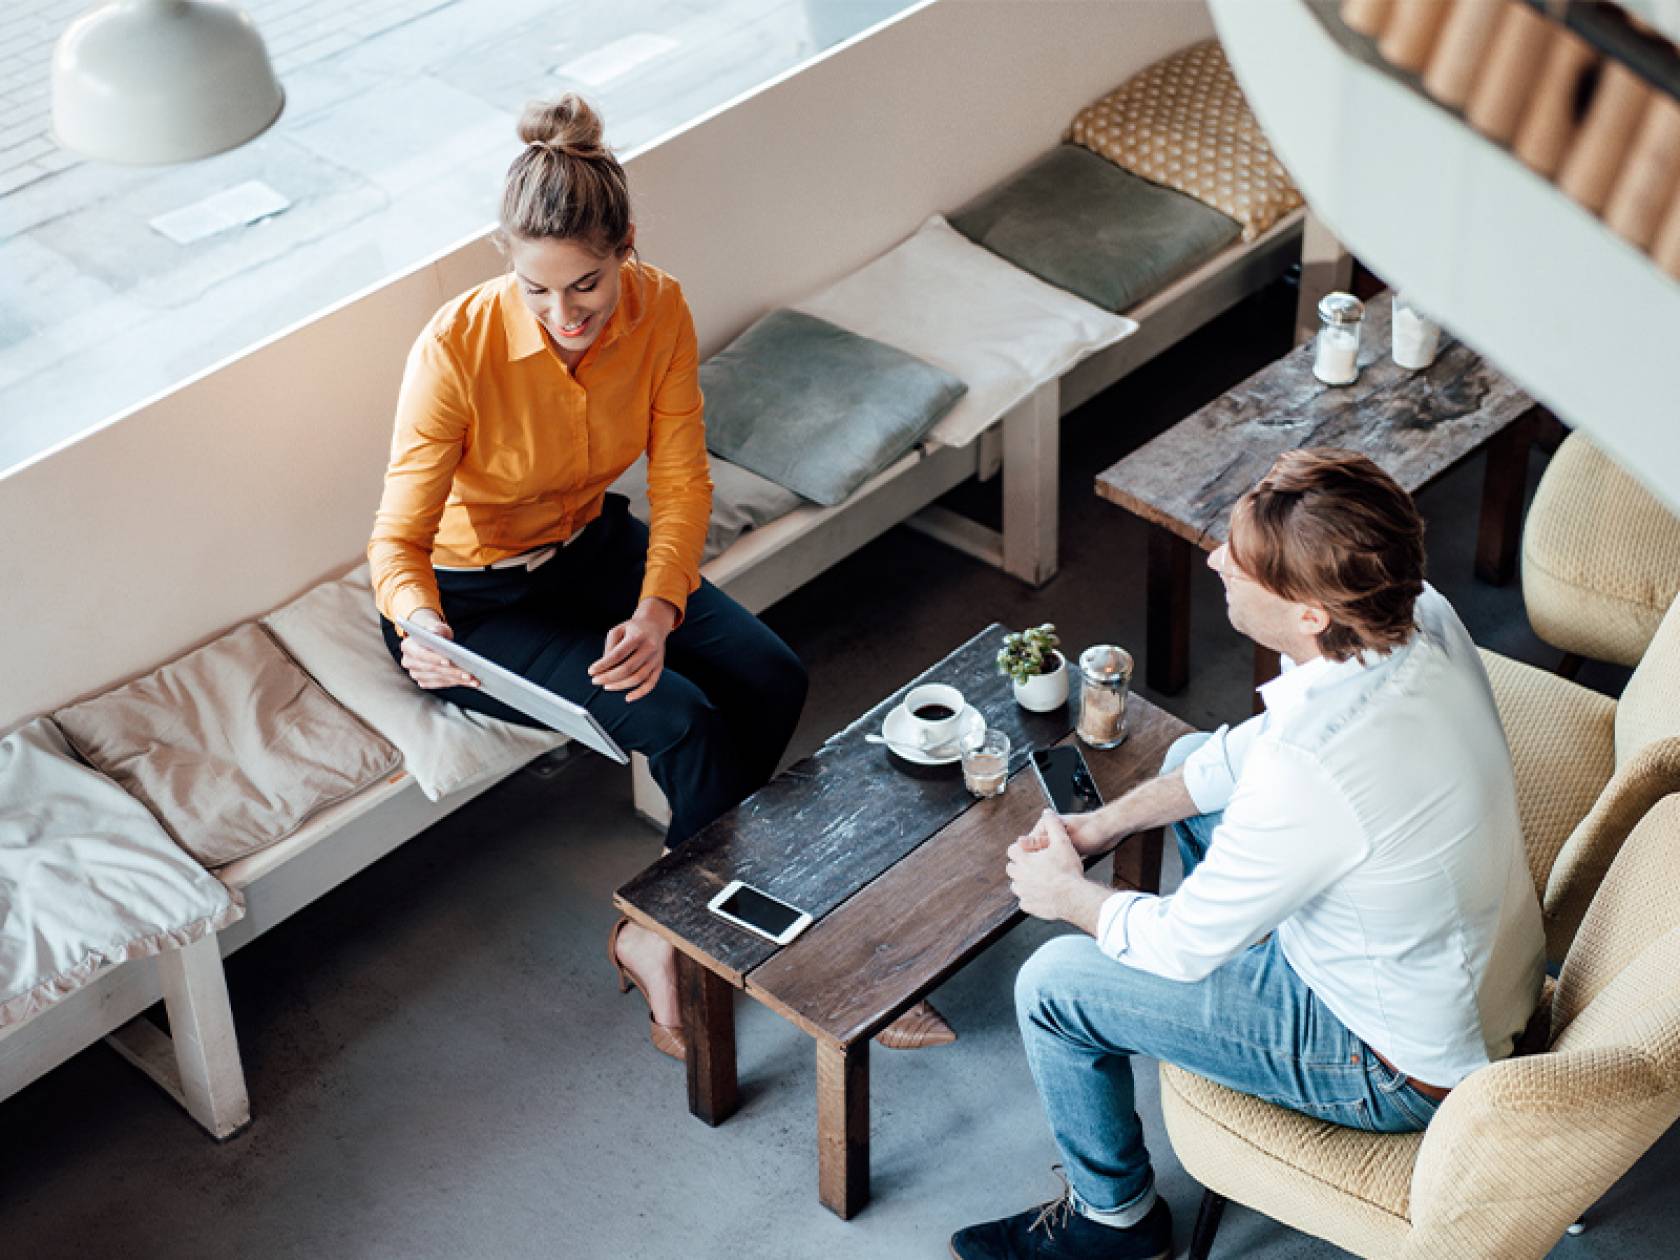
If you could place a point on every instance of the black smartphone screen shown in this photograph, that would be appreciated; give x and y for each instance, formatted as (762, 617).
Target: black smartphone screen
(763, 912)
(1066, 779)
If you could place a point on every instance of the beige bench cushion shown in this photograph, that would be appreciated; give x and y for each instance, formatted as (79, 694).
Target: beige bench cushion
(1185, 124)
(333, 632)
(231, 747)
(945, 300)
(87, 877)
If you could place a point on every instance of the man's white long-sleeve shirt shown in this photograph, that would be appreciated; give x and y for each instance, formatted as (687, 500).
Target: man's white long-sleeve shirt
(1370, 820)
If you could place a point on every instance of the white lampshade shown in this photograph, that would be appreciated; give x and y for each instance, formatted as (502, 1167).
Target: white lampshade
(152, 81)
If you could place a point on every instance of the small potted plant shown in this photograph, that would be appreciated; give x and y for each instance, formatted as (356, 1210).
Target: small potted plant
(1039, 671)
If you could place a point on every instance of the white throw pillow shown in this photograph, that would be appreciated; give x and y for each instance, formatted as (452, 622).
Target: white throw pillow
(333, 632)
(946, 300)
(88, 878)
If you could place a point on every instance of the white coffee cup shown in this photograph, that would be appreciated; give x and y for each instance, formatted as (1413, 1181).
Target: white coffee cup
(934, 713)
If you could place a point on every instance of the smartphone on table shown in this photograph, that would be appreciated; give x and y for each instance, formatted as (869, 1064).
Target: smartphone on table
(1066, 779)
(759, 912)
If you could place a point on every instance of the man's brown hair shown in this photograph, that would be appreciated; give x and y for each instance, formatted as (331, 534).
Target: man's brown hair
(1329, 527)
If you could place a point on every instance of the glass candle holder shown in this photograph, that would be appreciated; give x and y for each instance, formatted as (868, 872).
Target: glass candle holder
(985, 763)
(1416, 336)
(1336, 353)
(1105, 678)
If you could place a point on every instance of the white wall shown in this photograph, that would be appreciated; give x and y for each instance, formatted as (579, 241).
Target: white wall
(229, 495)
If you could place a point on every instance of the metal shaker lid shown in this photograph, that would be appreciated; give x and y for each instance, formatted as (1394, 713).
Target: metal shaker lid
(1340, 308)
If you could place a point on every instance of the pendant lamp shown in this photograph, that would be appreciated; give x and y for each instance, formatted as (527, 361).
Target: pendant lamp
(145, 82)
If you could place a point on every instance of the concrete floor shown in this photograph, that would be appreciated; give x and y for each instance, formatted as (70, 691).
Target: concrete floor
(440, 1063)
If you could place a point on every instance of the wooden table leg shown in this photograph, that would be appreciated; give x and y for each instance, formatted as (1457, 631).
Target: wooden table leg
(843, 1127)
(708, 1016)
(1137, 862)
(1168, 631)
(1503, 484)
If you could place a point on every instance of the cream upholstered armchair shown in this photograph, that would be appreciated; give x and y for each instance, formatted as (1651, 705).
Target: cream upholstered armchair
(1587, 768)
(1600, 558)
(1522, 1147)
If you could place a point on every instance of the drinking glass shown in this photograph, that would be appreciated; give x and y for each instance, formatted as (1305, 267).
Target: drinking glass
(985, 763)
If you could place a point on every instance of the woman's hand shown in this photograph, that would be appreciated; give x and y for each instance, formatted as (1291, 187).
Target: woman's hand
(634, 656)
(428, 668)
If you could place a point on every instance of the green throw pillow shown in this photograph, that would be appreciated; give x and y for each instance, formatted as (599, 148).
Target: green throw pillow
(1077, 221)
(816, 408)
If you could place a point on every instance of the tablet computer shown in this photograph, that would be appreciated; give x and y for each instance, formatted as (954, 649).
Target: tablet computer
(551, 710)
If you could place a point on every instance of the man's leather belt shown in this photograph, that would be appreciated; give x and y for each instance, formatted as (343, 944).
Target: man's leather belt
(1435, 1093)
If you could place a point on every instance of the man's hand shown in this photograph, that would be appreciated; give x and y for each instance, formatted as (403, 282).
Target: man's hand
(430, 669)
(1045, 872)
(1090, 836)
(634, 655)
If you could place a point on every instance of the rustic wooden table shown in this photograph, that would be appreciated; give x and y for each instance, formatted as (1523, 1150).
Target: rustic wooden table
(1415, 425)
(903, 872)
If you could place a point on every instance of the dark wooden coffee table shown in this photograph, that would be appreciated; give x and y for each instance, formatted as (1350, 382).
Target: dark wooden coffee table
(1417, 426)
(904, 874)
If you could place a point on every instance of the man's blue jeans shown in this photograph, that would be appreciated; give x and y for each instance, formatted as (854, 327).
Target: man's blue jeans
(1253, 1025)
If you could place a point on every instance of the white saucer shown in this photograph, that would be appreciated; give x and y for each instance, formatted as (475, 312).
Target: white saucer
(900, 731)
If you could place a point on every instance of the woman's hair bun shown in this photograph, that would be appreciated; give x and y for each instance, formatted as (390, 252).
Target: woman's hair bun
(568, 125)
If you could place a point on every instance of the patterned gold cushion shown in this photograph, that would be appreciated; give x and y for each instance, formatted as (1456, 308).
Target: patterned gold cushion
(1184, 123)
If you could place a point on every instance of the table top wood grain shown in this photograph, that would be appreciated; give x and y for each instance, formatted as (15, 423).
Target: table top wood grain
(906, 932)
(830, 823)
(1415, 425)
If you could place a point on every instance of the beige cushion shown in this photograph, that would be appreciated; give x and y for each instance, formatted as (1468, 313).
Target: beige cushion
(1184, 123)
(231, 747)
(1346, 1185)
(333, 632)
(1562, 749)
(1637, 903)
(1600, 557)
(945, 300)
(742, 501)
(87, 877)
(1649, 709)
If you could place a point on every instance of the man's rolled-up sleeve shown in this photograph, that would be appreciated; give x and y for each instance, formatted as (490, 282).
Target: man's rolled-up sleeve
(1212, 770)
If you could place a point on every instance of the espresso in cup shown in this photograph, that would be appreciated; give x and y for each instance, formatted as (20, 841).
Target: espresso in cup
(934, 713)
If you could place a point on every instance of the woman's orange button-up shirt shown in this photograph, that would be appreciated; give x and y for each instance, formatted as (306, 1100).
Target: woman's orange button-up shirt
(499, 448)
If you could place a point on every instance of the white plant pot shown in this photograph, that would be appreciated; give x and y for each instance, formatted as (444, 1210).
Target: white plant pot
(1044, 692)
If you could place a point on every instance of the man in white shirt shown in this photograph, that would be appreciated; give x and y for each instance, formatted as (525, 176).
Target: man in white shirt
(1357, 930)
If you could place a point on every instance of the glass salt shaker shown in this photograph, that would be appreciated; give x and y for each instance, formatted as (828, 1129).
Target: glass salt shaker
(1105, 673)
(1336, 355)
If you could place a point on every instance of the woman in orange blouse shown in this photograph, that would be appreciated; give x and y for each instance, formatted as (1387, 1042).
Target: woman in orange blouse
(523, 400)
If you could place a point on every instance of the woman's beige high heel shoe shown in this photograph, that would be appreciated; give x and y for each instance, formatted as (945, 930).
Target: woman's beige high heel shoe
(666, 1038)
(919, 1028)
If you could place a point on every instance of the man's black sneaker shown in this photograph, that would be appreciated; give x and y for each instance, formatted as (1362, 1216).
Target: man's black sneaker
(1057, 1231)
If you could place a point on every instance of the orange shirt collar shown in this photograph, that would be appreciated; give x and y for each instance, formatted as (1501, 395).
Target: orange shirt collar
(525, 335)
